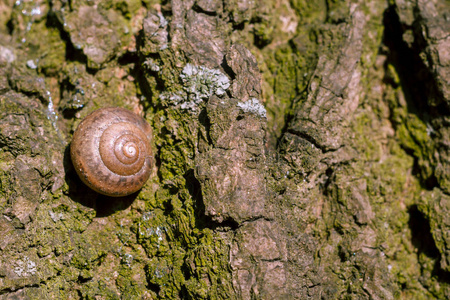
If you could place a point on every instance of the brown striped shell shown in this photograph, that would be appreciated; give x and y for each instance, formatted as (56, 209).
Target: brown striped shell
(111, 152)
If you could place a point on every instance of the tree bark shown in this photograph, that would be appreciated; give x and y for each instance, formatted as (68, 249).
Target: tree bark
(302, 149)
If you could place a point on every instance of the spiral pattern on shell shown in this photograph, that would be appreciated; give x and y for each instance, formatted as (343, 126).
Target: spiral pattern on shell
(111, 151)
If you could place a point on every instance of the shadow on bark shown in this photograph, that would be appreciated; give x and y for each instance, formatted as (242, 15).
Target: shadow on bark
(422, 240)
(202, 221)
(416, 81)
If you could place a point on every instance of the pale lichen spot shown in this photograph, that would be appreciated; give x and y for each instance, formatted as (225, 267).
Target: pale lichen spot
(253, 106)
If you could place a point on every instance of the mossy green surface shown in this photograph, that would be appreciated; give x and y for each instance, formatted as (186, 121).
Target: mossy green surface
(62, 241)
(97, 256)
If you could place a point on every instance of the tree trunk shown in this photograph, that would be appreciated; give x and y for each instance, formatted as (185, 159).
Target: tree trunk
(302, 149)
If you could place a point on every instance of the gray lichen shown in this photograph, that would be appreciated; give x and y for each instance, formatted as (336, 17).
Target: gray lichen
(199, 83)
(25, 267)
(253, 106)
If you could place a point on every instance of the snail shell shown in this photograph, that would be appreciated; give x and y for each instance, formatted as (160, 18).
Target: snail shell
(111, 152)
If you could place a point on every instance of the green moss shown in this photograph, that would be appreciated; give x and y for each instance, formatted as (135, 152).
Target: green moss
(164, 272)
(285, 74)
(91, 290)
(47, 48)
(310, 11)
(209, 263)
(128, 8)
(263, 33)
(131, 282)
(151, 232)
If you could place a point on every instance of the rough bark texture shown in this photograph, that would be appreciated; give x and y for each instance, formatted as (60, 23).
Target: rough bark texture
(302, 149)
